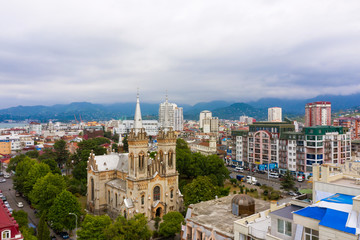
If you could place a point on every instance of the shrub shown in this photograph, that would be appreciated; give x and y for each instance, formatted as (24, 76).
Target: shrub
(265, 193)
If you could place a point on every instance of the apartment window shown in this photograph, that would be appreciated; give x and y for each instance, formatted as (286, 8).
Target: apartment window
(311, 234)
(284, 227)
(5, 234)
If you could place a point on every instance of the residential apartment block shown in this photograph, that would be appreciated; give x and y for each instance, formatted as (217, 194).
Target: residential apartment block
(318, 114)
(275, 114)
(170, 115)
(267, 143)
(349, 122)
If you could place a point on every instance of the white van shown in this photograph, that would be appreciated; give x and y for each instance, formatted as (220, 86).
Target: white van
(300, 178)
(251, 180)
(274, 175)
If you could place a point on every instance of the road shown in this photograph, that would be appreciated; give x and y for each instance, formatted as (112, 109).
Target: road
(263, 179)
(9, 192)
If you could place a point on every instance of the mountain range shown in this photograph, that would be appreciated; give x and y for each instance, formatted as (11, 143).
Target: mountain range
(222, 109)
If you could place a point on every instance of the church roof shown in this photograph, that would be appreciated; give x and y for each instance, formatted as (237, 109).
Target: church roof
(117, 183)
(112, 161)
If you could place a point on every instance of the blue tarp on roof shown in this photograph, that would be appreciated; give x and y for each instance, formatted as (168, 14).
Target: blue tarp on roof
(336, 220)
(312, 212)
(328, 218)
(339, 198)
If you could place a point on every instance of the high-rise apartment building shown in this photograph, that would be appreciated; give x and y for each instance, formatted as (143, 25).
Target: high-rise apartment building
(170, 115)
(318, 114)
(275, 114)
(204, 115)
(208, 123)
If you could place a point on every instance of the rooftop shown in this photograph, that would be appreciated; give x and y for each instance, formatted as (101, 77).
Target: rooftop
(216, 214)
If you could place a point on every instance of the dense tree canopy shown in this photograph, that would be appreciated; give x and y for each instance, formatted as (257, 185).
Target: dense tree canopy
(92, 228)
(64, 204)
(46, 190)
(171, 224)
(191, 165)
(134, 228)
(200, 189)
(61, 153)
(37, 171)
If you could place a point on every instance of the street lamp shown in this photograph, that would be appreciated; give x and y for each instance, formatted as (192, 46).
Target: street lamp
(75, 223)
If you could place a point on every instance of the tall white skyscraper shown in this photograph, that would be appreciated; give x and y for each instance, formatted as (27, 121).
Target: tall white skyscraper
(170, 115)
(204, 115)
(275, 114)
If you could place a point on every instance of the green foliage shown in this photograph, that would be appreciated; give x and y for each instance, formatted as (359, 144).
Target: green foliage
(37, 171)
(21, 218)
(275, 195)
(64, 204)
(45, 191)
(191, 165)
(43, 232)
(52, 164)
(233, 181)
(27, 233)
(171, 224)
(77, 186)
(157, 221)
(80, 171)
(32, 154)
(288, 183)
(115, 147)
(200, 189)
(15, 161)
(47, 153)
(92, 228)
(22, 171)
(61, 153)
(135, 228)
(125, 143)
(224, 191)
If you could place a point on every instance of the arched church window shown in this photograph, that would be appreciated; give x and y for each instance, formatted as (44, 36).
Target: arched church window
(156, 193)
(142, 199)
(92, 189)
(141, 161)
(116, 199)
(170, 159)
(172, 193)
(109, 196)
(132, 162)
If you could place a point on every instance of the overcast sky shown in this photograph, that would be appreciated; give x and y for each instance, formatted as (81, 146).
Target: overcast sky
(102, 51)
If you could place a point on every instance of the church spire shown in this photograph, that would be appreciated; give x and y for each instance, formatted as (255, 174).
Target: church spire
(137, 119)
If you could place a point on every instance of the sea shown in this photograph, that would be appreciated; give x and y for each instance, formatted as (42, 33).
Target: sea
(13, 125)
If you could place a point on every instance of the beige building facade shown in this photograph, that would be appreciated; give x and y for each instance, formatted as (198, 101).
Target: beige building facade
(134, 182)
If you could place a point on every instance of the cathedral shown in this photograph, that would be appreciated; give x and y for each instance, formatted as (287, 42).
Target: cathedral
(135, 182)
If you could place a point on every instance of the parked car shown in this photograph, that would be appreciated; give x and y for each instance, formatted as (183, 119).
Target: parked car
(6, 175)
(64, 235)
(240, 177)
(300, 178)
(20, 204)
(239, 169)
(4, 198)
(17, 194)
(2, 180)
(291, 193)
(274, 175)
(1, 174)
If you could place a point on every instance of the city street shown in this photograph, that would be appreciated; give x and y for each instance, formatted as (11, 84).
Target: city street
(9, 192)
(263, 179)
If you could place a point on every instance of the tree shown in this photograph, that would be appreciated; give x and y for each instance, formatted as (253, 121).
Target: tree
(37, 171)
(22, 171)
(15, 161)
(92, 228)
(64, 204)
(46, 190)
(47, 153)
(288, 183)
(171, 224)
(125, 143)
(135, 228)
(115, 147)
(43, 232)
(62, 154)
(52, 164)
(32, 154)
(21, 218)
(200, 189)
